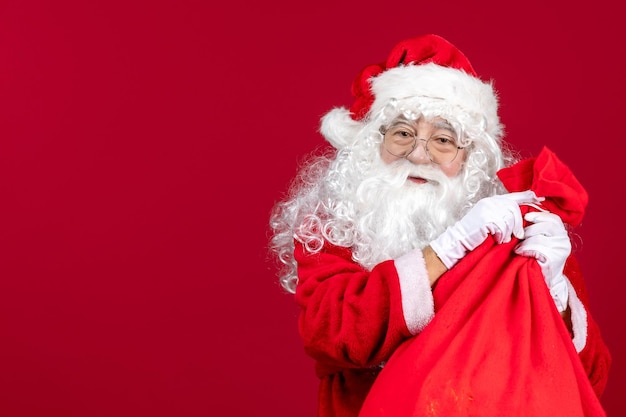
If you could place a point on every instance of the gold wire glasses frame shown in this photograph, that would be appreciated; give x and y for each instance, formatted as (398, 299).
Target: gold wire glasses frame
(401, 141)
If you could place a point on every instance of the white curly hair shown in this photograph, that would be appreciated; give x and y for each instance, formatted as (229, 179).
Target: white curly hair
(343, 197)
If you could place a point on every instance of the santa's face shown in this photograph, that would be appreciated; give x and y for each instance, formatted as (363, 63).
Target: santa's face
(404, 203)
(413, 139)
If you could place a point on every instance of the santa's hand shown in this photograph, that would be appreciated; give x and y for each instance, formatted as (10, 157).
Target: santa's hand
(547, 241)
(498, 215)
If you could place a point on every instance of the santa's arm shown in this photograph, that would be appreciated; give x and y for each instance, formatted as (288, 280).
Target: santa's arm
(434, 266)
(587, 339)
(354, 318)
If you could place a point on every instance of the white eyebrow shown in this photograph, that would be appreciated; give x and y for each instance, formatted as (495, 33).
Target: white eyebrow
(401, 121)
(443, 124)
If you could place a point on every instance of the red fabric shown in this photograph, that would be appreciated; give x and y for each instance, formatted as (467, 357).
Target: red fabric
(417, 50)
(350, 321)
(497, 345)
(549, 177)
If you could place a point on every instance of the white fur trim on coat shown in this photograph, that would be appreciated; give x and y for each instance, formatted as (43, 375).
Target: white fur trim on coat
(579, 318)
(418, 305)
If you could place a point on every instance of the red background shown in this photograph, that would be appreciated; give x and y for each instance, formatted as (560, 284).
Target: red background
(143, 144)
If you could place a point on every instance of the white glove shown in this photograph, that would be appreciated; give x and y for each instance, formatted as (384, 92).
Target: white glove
(498, 215)
(547, 241)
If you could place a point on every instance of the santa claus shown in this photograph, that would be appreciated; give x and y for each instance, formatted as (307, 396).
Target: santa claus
(411, 188)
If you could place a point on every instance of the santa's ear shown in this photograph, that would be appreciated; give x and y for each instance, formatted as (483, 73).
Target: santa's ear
(339, 129)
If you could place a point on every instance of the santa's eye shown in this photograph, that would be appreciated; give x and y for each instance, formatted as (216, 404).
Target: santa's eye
(443, 142)
(402, 131)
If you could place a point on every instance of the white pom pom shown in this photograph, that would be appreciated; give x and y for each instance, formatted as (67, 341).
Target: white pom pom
(338, 127)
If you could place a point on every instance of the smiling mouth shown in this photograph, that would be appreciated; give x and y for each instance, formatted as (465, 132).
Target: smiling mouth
(422, 180)
(418, 180)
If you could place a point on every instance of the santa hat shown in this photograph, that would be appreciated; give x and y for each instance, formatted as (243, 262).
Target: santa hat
(425, 71)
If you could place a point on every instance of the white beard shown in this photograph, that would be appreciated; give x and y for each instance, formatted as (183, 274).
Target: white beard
(395, 215)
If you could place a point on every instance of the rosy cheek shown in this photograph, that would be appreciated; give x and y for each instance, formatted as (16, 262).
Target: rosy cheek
(387, 157)
(454, 168)
(451, 170)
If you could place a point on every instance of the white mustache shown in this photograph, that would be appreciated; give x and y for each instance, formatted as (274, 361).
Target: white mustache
(426, 172)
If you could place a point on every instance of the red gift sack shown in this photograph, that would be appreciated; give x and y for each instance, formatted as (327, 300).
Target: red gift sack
(497, 346)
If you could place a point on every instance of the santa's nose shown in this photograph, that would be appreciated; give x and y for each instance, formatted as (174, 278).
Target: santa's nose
(419, 155)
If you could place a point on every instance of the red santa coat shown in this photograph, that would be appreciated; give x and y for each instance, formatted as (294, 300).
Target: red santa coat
(352, 320)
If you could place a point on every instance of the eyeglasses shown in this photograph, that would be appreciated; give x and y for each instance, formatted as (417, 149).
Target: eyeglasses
(401, 139)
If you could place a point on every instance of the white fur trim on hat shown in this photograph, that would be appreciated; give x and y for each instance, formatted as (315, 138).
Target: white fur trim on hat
(460, 93)
(455, 87)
